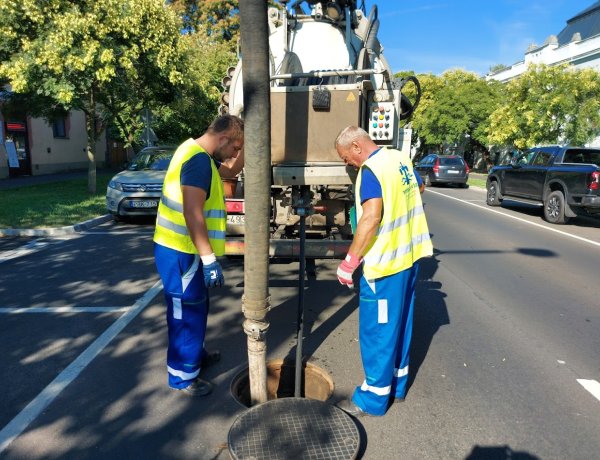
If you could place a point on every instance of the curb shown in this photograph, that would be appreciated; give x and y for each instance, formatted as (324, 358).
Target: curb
(56, 231)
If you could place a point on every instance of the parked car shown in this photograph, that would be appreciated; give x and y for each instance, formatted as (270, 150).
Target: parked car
(136, 191)
(443, 169)
(565, 180)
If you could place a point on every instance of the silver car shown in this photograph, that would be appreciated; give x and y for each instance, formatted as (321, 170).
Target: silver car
(136, 191)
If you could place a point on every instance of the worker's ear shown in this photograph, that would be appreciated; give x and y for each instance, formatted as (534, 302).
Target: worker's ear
(223, 140)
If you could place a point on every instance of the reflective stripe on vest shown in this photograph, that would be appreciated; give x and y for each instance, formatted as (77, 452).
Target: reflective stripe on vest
(403, 236)
(171, 229)
(179, 208)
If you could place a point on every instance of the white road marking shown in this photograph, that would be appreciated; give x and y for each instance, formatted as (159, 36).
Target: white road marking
(19, 310)
(592, 386)
(29, 248)
(18, 424)
(120, 232)
(487, 208)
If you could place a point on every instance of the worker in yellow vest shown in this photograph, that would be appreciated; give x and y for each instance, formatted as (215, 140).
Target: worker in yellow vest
(391, 236)
(189, 236)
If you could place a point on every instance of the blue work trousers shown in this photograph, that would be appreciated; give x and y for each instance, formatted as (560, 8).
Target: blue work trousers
(385, 331)
(187, 312)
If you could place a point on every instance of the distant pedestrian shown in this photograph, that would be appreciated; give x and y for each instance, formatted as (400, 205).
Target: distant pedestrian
(390, 238)
(190, 234)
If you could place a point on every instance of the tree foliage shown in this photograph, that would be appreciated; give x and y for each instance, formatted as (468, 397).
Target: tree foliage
(218, 19)
(196, 105)
(548, 105)
(498, 68)
(455, 106)
(104, 57)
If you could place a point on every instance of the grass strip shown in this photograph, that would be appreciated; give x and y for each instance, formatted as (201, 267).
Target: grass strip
(55, 204)
(476, 182)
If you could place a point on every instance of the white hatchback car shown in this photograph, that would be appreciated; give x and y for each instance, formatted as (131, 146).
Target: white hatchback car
(136, 191)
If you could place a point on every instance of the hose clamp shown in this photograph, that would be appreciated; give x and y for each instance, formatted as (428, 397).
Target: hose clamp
(255, 309)
(256, 330)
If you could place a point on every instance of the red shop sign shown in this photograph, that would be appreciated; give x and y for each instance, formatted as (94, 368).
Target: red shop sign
(15, 126)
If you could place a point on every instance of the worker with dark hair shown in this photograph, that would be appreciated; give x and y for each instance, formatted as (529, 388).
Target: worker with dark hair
(189, 236)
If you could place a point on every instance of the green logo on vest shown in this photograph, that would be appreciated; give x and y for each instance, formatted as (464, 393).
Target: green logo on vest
(406, 175)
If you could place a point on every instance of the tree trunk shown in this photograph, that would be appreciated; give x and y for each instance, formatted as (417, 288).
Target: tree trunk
(90, 125)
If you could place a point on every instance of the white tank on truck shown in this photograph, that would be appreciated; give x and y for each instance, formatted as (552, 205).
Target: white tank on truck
(327, 71)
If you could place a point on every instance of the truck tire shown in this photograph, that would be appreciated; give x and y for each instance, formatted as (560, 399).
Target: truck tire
(554, 208)
(493, 193)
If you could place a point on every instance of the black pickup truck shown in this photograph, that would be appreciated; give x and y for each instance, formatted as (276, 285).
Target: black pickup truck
(566, 180)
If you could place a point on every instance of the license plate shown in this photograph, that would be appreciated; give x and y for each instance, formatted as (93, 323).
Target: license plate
(453, 172)
(143, 204)
(236, 219)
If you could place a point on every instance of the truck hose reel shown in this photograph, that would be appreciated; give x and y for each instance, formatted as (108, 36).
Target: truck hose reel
(407, 107)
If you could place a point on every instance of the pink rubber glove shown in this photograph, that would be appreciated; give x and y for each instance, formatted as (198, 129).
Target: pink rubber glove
(346, 268)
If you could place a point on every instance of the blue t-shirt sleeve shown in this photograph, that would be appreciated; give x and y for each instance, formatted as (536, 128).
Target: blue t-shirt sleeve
(418, 176)
(196, 172)
(369, 186)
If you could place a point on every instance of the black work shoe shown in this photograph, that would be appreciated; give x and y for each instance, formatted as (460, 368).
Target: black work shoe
(198, 387)
(348, 406)
(210, 358)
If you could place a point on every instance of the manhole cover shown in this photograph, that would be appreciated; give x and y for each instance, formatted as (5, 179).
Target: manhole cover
(293, 428)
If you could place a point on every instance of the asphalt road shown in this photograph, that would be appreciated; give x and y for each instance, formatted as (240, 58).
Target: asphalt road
(504, 361)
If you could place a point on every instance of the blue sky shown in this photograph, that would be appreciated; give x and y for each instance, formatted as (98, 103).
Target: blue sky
(436, 35)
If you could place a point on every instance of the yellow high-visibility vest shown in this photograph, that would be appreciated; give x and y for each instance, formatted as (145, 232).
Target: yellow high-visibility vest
(403, 236)
(171, 230)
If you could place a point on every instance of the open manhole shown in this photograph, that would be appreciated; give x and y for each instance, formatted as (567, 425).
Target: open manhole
(281, 375)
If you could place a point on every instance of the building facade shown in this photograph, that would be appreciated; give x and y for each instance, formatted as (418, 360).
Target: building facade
(577, 44)
(33, 146)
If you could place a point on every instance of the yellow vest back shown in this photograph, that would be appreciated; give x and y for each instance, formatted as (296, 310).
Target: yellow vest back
(403, 236)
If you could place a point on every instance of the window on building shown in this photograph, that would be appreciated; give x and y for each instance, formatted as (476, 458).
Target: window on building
(59, 128)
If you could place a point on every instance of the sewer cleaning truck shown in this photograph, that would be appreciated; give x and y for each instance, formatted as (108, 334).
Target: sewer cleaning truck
(327, 71)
